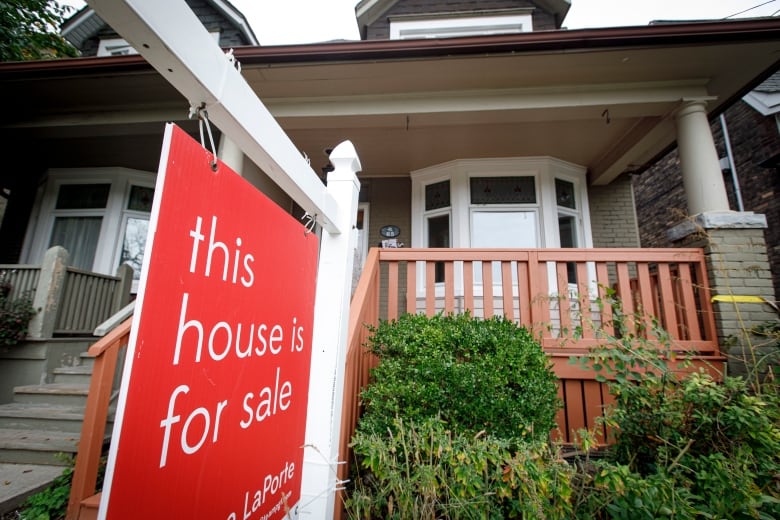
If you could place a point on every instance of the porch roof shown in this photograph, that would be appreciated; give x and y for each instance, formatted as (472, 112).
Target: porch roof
(601, 98)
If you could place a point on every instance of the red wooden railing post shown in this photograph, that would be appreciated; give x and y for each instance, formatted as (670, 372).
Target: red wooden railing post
(106, 353)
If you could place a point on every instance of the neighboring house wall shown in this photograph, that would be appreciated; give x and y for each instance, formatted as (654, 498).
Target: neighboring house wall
(756, 147)
(380, 30)
(212, 19)
(612, 217)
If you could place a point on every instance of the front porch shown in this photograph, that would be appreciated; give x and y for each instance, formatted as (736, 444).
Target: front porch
(571, 299)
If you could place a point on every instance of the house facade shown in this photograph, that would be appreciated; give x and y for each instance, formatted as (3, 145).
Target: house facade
(479, 125)
(497, 151)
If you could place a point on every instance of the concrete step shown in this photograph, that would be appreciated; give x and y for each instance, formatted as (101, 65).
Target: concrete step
(77, 375)
(18, 481)
(41, 416)
(21, 446)
(64, 394)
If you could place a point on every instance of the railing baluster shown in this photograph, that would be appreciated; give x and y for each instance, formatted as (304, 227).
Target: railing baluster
(449, 286)
(468, 286)
(668, 305)
(523, 293)
(507, 294)
(411, 287)
(487, 288)
(563, 299)
(583, 301)
(392, 291)
(691, 331)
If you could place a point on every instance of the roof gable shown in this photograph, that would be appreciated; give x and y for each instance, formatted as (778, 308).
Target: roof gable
(86, 25)
(369, 11)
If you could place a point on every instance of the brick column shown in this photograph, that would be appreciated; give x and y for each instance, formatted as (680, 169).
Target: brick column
(737, 266)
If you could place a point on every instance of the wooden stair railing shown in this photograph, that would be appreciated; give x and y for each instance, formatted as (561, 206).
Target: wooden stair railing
(106, 353)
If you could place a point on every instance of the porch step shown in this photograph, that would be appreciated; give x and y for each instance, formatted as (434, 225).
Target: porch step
(42, 417)
(24, 446)
(77, 375)
(64, 394)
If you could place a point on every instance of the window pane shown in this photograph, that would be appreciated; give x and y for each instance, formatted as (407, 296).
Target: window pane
(83, 196)
(502, 190)
(439, 236)
(140, 199)
(134, 244)
(437, 195)
(567, 230)
(564, 194)
(79, 235)
(504, 229)
(439, 231)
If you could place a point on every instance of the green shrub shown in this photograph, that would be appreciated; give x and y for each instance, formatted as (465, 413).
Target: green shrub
(427, 471)
(15, 315)
(473, 374)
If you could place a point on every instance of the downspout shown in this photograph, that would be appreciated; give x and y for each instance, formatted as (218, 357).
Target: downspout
(732, 166)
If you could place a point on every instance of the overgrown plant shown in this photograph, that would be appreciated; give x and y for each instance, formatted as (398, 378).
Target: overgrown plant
(15, 315)
(685, 446)
(426, 470)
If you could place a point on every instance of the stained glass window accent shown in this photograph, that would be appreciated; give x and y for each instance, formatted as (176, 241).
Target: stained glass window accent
(503, 190)
(564, 194)
(83, 196)
(140, 198)
(437, 195)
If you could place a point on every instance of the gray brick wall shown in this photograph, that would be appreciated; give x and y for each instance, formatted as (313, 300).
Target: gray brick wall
(613, 221)
(380, 30)
(738, 265)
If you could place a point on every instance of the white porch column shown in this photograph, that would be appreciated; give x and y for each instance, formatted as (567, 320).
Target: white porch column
(702, 178)
(329, 349)
(230, 154)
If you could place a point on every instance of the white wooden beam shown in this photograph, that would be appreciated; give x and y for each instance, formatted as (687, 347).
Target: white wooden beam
(171, 38)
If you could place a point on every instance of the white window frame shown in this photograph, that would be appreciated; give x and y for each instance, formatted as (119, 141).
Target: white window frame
(108, 250)
(459, 172)
(455, 26)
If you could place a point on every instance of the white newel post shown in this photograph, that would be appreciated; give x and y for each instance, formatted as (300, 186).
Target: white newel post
(329, 338)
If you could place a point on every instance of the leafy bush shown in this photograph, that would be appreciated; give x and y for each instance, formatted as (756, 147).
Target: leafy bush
(684, 446)
(427, 471)
(15, 315)
(473, 374)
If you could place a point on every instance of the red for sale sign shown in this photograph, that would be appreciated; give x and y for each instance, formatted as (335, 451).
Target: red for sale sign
(212, 409)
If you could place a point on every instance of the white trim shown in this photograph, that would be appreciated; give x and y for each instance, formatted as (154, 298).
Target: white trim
(455, 26)
(44, 212)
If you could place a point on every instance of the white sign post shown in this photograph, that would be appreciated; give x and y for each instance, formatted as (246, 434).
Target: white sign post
(187, 56)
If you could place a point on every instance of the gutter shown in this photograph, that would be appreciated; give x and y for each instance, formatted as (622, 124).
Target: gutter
(579, 40)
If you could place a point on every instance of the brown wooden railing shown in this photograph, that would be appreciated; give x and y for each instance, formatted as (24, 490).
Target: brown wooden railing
(570, 298)
(93, 431)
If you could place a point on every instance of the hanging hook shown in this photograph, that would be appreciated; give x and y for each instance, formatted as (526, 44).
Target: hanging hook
(203, 119)
(309, 223)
